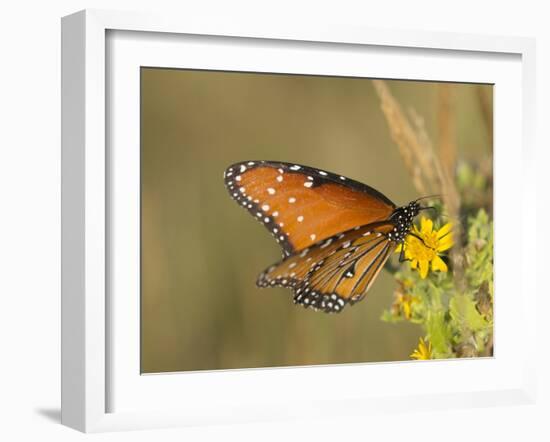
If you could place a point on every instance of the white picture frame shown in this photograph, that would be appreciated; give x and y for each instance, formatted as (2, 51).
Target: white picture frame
(90, 324)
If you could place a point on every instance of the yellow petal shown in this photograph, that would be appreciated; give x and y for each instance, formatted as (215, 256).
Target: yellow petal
(445, 243)
(399, 248)
(414, 263)
(426, 225)
(444, 230)
(414, 242)
(423, 351)
(439, 264)
(423, 268)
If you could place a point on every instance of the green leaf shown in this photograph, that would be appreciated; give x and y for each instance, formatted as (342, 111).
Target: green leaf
(464, 313)
(439, 333)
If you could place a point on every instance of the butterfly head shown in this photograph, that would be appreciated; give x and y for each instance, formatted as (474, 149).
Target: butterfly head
(403, 218)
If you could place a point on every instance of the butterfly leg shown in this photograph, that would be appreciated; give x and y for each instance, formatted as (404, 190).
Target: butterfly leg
(402, 254)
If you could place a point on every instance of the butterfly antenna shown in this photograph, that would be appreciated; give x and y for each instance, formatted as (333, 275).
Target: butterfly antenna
(428, 208)
(428, 196)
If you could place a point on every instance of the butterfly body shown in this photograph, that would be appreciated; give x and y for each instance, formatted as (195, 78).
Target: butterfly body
(336, 233)
(402, 218)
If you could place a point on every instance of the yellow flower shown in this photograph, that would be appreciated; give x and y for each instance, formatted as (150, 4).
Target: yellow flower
(423, 351)
(422, 253)
(403, 301)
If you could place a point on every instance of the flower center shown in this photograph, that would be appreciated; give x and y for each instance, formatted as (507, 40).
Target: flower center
(423, 251)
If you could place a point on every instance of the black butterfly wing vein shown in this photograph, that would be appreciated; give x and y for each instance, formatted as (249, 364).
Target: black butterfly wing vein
(334, 272)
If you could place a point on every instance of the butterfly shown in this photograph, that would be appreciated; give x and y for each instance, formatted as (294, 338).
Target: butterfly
(336, 233)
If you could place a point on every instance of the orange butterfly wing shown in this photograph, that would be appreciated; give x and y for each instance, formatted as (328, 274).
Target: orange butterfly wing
(300, 205)
(334, 272)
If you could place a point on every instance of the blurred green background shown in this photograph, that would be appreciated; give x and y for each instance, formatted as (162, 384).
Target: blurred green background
(201, 252)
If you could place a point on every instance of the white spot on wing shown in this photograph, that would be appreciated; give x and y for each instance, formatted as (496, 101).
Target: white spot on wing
(326, 243)
(300, 218)
(271, 190)
(313, 236)
(292, 200)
